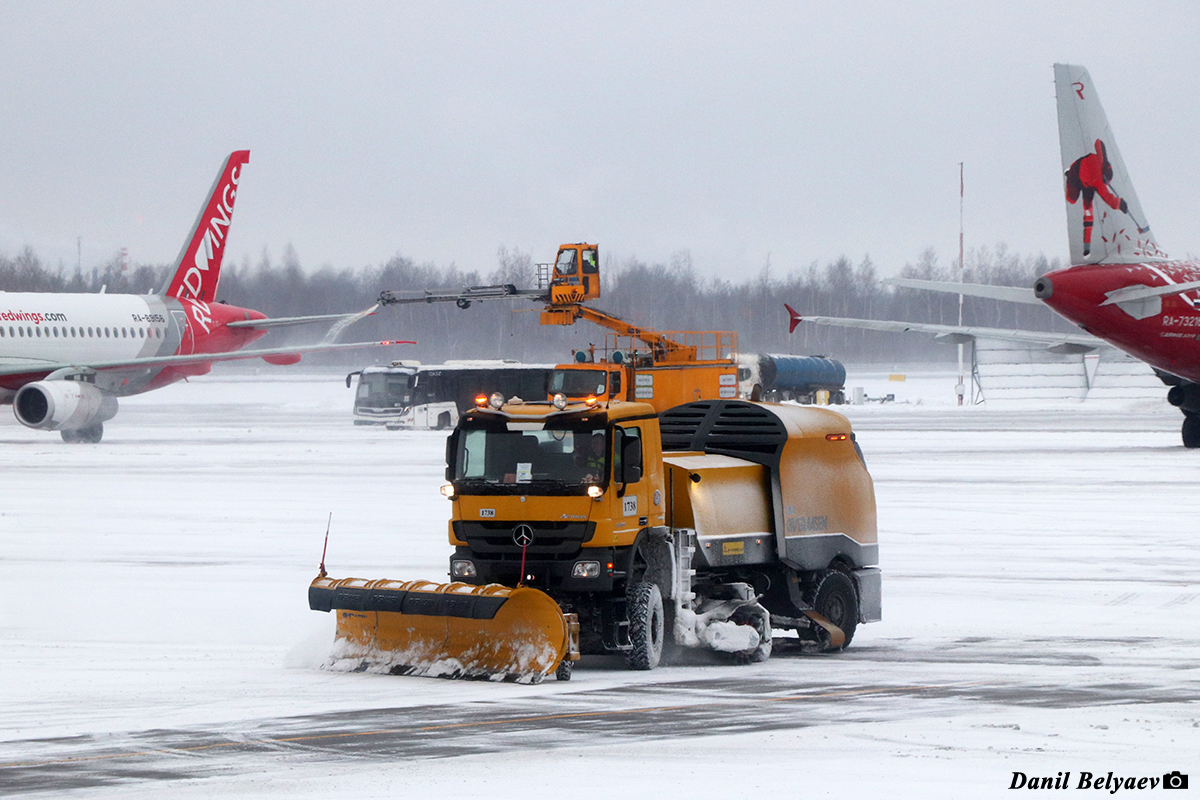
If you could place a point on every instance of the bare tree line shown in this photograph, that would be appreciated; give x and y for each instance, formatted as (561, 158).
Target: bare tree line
(663, 296)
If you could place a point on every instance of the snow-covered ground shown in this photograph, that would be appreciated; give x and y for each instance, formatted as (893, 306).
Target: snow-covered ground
(1041, 614)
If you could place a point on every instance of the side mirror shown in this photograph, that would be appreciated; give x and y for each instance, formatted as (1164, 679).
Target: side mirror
(351, 375)
(631, 460)
(451, 452)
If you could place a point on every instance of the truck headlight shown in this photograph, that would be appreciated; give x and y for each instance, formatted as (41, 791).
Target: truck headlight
(462, 569)
(586, 569)
(594, 492)
(448, 490)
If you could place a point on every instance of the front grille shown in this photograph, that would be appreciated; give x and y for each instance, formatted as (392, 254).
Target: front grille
(552, 541)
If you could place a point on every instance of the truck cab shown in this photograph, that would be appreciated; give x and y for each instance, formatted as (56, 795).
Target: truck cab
(582, 479)
(661, 386)
(602, 381)
(576, 274)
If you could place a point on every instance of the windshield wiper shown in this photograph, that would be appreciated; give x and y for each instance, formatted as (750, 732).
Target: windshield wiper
(482, 486)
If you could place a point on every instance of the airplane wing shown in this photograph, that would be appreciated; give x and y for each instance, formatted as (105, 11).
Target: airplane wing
(37, 365)
(959, 334)
(1013, 294)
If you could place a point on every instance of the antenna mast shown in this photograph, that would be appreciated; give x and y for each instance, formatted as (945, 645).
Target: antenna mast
(960, 389)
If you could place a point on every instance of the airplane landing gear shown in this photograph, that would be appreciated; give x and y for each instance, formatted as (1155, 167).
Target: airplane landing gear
(1185, 396)
(89, 434)
(1191, 429)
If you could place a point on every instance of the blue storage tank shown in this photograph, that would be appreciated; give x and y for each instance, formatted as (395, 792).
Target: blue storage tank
(801, 374)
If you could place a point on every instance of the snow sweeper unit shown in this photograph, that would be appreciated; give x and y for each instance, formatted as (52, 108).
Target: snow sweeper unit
(594, 527)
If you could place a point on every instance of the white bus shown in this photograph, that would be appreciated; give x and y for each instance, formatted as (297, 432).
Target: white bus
(408, 395)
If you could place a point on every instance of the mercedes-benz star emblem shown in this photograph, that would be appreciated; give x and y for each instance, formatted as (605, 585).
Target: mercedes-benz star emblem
(523, 535)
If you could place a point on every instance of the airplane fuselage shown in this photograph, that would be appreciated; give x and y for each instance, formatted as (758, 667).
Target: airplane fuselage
(1162, 331)
(51, 328)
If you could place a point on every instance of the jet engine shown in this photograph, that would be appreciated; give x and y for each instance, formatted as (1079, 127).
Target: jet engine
(62, 405)
(1186, 396)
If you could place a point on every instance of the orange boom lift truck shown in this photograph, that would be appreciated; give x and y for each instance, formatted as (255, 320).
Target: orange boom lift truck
(660, 368)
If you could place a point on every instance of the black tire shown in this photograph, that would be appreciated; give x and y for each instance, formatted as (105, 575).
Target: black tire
(647, 626)
(91, 434)
(836, 599)
(563, 673)
(1191, 430)
(443, 421)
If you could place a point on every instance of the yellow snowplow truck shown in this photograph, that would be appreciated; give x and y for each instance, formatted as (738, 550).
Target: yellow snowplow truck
(603, 527)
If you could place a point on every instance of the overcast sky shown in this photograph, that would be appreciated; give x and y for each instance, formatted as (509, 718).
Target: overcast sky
(794, 131)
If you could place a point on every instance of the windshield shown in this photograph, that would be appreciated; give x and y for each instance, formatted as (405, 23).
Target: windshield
(566, 262)
(381, 389)
(577, 382)
(575, 458)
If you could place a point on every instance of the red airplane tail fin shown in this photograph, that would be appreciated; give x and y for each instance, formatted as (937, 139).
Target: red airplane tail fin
(198, 269)
(796, 318)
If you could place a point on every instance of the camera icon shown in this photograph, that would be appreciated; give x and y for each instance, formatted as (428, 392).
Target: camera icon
(1174, 780)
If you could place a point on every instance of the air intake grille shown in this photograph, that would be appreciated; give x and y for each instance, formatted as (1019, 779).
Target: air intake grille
(680, 425)
(729, 427)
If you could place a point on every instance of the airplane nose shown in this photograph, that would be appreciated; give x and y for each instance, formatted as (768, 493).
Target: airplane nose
(1043, 288)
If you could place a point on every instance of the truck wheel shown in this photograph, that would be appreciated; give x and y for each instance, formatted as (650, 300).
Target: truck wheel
(646, 626)
(837, 601)
(1191, 430)
(563, 673)
(443, 421)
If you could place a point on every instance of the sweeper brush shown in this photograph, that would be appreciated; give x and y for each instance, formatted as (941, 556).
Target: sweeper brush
(450, 630)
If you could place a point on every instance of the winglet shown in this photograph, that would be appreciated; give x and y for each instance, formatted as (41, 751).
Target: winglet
(796, 319)
(198, 268)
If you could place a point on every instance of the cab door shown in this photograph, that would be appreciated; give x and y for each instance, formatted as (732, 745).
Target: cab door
(589, 270)
(630, 478)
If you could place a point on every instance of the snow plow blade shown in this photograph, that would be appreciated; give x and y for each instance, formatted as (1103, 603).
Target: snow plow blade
(448, 630)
